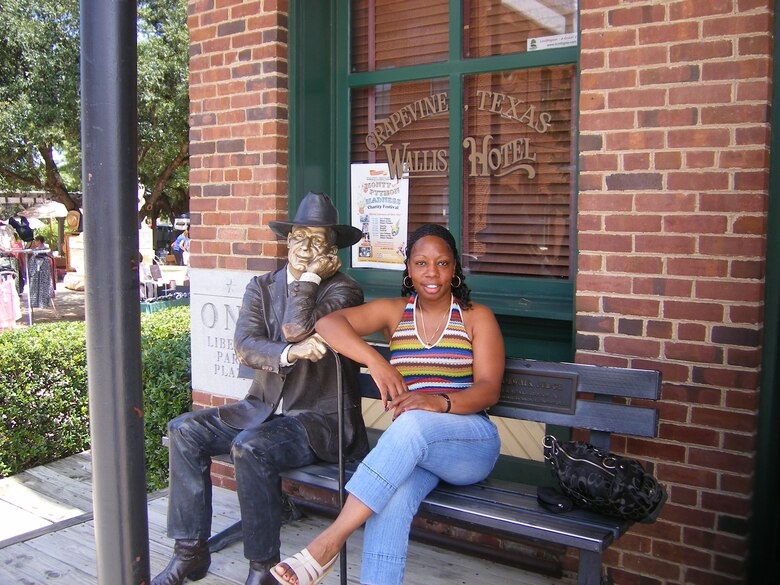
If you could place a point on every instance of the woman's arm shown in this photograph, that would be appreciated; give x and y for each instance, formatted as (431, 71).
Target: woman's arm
(344, 330)
(488, 347)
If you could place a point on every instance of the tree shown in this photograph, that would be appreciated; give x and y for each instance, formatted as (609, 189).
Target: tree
(39, 96)
(40, 136)
(163, 107)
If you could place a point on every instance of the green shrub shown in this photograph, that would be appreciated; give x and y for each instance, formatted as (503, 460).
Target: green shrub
(165, 346)
(43, 390)
(43, 395)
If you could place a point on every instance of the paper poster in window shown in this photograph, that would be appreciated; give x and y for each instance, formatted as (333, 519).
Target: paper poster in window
(380, 210)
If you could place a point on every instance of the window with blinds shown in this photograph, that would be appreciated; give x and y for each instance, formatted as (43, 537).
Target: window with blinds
(511, 197)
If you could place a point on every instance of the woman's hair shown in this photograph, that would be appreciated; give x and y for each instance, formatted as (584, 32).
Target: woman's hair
(461, 292)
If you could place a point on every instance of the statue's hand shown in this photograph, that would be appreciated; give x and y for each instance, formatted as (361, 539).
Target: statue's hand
(311, 348)
(325, 266)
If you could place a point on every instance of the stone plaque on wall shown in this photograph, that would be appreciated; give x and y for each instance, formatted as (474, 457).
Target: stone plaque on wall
(215, 299)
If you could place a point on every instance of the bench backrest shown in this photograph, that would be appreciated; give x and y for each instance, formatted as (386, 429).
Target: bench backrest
(572, 395)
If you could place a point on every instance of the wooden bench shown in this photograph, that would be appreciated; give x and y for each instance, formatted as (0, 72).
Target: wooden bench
(591, 398)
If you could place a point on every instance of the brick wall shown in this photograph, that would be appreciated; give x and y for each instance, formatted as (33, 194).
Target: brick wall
(672, 205)
(674, 132)
(238, 143)
(238, 131)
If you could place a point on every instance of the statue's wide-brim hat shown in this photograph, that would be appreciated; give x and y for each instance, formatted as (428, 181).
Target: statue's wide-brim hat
(317, 210)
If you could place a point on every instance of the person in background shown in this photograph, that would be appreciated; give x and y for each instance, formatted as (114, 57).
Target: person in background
(289, 417)
(39, 243)
(181, 245)
(445, 368)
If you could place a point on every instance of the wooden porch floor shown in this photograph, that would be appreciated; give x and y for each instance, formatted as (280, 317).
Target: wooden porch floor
(47, 537)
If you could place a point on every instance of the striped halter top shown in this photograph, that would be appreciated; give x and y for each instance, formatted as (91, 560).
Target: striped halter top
(447, 366)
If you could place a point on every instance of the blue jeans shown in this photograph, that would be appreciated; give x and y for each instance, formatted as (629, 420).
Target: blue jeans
(419, 449)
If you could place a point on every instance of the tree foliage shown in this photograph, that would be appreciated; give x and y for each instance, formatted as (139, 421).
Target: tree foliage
(40, 101)
(39, 95)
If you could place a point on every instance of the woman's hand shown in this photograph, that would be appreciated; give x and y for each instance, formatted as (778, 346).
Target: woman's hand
(389, 381)
(417, 401)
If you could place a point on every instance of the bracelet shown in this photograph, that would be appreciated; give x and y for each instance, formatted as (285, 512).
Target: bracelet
(449, 402)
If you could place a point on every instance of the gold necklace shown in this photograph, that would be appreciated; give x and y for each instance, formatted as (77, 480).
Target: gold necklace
(425, 339)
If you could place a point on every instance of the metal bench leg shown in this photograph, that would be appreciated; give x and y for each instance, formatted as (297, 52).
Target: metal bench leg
(226, 537)
(590, 568)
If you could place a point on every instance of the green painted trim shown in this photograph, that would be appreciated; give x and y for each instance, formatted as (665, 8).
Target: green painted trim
(550, 57)
(765, 524)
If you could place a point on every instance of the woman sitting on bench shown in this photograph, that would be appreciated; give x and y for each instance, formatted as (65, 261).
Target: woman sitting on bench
(445, 369)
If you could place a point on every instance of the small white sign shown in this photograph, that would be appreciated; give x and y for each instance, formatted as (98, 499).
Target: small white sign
(552, 42)
(380, 210)
(215, 299)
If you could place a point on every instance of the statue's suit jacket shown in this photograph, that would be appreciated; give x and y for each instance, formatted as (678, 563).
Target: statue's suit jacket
(274, 314)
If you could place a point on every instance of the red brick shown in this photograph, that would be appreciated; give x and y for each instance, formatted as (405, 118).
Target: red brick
(669, 32)
(720, 459)
(661, 286)
(732, 202)
(630, 306)
(731, 245)
(745, 314)
(604, 283)
(746, 443)
(664, 118)
(638, 140)
(700, 181)
(703, 137)
(625, 17)
(699, 51)
(714, 541)
(605, 242)
(691, 332)
(744, 159)
(692, 352)
(594, 121)
(692, 311)
(722, 419)
(730, 291)
(634, 264)
(751, 181)
(637, 347)
(700, 159)
(746, 24)
(664, 244)
(590, 40)
(637, 57)
(605, 202)
(761, 45)
(711, 93)
(700, 267)
(745, 358)
(592, 81)
(668, 160)
(659, 329)
(736, 70)
(681, 554)
(688, 435)
(637, 98)
(725, 377)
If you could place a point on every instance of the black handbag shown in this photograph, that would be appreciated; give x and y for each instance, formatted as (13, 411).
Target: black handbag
(604, 482)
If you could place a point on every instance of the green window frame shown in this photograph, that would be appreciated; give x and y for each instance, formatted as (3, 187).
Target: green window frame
(530, 309)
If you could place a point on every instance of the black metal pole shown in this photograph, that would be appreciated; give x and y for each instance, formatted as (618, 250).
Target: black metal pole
(109, 177)
(342, 460)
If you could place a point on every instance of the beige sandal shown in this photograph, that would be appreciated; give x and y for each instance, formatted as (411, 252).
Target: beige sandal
(305, 567)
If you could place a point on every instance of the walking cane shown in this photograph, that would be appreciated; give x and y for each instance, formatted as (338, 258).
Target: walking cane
(340, 407)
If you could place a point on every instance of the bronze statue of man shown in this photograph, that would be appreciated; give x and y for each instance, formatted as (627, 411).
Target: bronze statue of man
(289, 417)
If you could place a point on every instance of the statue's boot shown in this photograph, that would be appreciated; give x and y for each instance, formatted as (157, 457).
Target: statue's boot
(191, 560)
(260, 572)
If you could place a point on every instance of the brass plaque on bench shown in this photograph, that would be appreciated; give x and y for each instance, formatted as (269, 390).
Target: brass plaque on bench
(547, 391)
